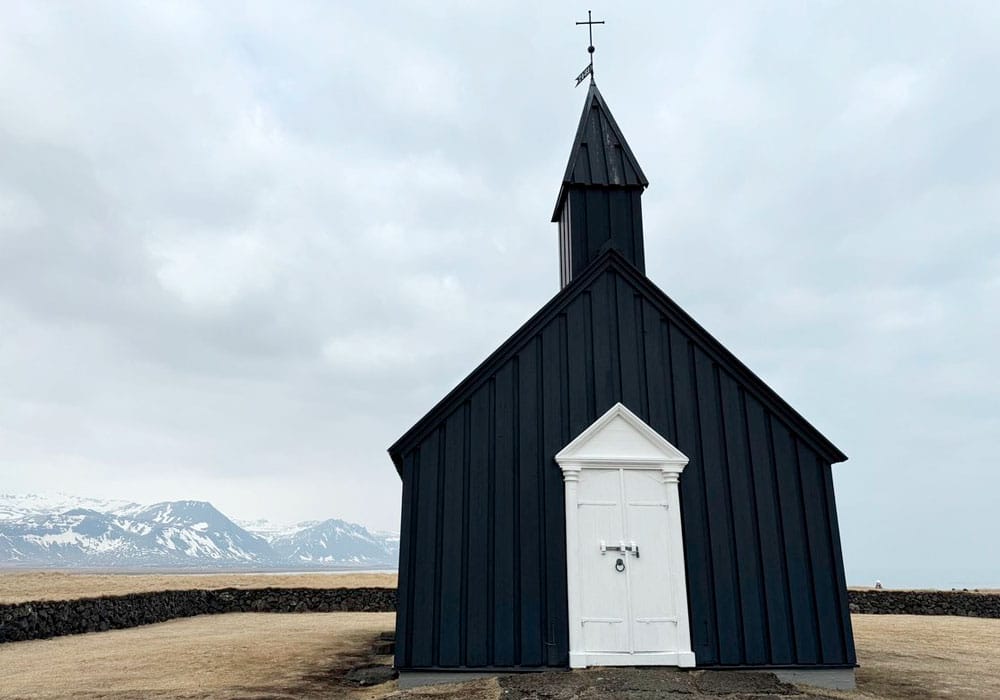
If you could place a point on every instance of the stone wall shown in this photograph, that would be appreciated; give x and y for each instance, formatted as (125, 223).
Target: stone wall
(38, 620)
(961, 603)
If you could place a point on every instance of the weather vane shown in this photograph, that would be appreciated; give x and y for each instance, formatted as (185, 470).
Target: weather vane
(589, 70)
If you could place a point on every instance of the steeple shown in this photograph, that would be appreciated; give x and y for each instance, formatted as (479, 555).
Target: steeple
(599, 205)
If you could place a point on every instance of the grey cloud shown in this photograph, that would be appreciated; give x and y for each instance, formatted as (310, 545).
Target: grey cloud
(242, 249)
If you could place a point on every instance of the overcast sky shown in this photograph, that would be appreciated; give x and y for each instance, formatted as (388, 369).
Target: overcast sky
(243, 247)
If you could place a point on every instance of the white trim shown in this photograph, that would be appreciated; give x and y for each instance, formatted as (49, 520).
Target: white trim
(684, 659)
(638, 446)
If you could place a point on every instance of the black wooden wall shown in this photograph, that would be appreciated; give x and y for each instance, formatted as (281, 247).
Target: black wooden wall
(482, 562)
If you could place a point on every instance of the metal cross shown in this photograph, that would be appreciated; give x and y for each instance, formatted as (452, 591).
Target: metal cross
(590, 49)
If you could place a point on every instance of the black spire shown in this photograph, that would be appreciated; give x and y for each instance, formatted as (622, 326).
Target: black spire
(598, 205)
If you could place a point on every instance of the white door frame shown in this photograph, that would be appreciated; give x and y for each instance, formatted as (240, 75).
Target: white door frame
(620, 439)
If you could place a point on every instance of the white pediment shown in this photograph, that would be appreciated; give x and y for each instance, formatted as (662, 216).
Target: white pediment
(620, 436)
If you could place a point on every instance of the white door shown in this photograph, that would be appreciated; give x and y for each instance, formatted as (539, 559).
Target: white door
(625, 584)
(627, 604)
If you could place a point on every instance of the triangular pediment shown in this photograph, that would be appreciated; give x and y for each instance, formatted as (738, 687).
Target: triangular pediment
(620, 436)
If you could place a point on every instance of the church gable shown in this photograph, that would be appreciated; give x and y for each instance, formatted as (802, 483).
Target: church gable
(614, 291)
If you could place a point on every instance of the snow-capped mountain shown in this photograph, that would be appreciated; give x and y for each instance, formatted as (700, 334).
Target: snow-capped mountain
(335, 541)
(270, 530)
(15, 506)
(63, 531)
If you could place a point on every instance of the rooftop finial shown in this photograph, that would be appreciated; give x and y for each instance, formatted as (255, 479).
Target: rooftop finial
(589, 70)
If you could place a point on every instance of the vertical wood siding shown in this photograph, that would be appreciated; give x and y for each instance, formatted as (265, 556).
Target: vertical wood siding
(482, 558)
(596, 218)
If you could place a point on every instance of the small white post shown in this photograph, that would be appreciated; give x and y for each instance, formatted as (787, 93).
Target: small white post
(577, 657)
(678, 575)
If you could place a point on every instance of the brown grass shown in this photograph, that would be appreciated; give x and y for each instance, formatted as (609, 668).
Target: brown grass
(915, 656)
(296, 655)
(20, 586)
(222, 656)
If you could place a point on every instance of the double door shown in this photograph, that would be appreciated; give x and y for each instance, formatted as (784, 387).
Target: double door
(627, 603)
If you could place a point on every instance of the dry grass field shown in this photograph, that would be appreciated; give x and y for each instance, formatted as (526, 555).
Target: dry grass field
(241, 655)
(20, 586)
(297, 655)
(918, 656)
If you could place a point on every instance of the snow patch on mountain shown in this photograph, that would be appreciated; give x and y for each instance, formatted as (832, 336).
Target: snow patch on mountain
(15, 506)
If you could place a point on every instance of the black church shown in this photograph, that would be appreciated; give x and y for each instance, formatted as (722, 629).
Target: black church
(612, 486)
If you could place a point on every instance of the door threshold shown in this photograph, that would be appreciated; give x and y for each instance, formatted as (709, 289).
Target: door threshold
(683, 659)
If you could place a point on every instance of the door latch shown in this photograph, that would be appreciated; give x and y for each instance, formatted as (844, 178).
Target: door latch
(620, 547)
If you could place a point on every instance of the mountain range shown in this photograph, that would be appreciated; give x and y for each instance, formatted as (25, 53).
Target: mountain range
(63, 531)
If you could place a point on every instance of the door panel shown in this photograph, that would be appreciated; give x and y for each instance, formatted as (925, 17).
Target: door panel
(653, 613)
(604, 592)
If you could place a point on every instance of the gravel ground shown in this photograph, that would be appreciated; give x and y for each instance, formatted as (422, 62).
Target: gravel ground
(620, 684)
(646, 684)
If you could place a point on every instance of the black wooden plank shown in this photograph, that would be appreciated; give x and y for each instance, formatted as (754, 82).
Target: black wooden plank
(628, 347)
(596, 202)
(576, 200)
(425, 560)
(824, 571)
(698, 564)
(602, 328)
(639, 245)
(659, 403)
(749, 579)
(769, 524)
(620, 214)
(404, 602)
(529, 513)
(504, 519)
(595, 149)
(579, 369)
(554, 437)
(450, 605)
(719, 517)
(477, 541)
(847, 633)
(796, 548)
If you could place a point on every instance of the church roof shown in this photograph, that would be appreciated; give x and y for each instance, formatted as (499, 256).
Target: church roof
(614, 262)
(600, 155)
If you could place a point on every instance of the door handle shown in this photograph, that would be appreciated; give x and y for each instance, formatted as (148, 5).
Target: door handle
(620, 547)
